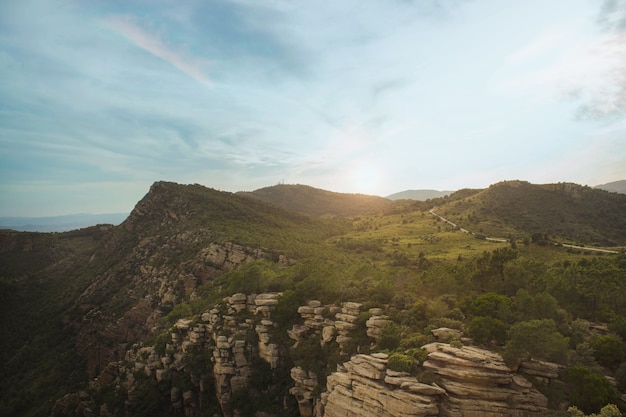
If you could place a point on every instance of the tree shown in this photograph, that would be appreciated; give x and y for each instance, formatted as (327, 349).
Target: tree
(608, 350)
(499, 259)
(538, 339)
(493, 305)
(390, 337)
(587, 390)
(486, 329)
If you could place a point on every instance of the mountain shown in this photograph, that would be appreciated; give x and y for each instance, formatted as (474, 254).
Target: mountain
(316, 202)
(615, 186)
(420, 195)
(60, 223)
(87, 294)
(567, 211)
(204, 302)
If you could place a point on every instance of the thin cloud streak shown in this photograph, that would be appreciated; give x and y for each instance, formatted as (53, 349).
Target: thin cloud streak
(194, 67)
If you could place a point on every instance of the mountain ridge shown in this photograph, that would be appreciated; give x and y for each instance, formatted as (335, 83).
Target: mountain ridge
(578, 213)
(614, 186)
(317, 202)
(110, 299)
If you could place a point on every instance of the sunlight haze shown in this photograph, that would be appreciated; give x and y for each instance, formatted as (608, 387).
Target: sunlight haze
(101, 99)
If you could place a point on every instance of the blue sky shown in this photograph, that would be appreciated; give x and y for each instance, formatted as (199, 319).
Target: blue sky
(98, 99)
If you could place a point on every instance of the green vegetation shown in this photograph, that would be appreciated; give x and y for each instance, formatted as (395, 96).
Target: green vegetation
(176, 253)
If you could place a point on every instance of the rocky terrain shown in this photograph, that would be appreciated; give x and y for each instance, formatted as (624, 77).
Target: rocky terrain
(225, 343)
(204, 303)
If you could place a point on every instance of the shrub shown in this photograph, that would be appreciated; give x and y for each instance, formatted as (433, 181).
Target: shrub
(537, 339)
(618, 326)
(493, 305)
(610, 410)
(416, 340)
(588, 391)
(620, 376)
(446, 322)
(390, 337)
(178, 312)
(401, 363)
(485, 329)
(608, 350)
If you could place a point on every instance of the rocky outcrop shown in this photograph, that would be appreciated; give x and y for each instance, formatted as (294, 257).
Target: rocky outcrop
(365, 387)
(305, 383)
(220, 346)
(146, 267)
(478, 383)
(224, 344)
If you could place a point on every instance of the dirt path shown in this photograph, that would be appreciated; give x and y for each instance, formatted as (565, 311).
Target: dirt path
(503, 240)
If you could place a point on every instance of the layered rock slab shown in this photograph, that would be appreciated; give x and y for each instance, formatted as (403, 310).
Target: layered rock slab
(358, 389)
(479, 384)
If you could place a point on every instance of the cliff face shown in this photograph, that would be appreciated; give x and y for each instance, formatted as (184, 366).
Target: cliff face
(227, 359)
(143, 287)
(471, 381)
(365, 387)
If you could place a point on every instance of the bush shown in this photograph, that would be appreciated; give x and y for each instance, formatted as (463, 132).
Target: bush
(609, 410)
(493, 305)
(390, 337)
(588, 391)
(538, 339)
(401, 363)
(608, 350)
(620, 376)
(179, 311)
(416, 340)
(485, 329)
(618, 326)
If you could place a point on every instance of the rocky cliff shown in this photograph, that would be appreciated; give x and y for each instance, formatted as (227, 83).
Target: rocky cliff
(229, 353)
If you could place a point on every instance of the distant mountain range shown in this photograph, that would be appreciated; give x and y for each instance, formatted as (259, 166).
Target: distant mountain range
(314, 201)
(60, 223)
(615, 186)
(299, 198)
(420, 195)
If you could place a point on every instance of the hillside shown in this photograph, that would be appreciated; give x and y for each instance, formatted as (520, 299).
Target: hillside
(565, 211)
(112, 290)
(211, 303)
(316, 202)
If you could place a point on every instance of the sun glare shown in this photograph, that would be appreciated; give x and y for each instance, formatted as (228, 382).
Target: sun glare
(365, 179)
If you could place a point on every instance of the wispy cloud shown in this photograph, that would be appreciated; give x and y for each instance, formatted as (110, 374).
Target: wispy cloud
(193, 66)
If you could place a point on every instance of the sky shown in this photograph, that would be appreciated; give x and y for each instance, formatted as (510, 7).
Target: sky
(99, 99)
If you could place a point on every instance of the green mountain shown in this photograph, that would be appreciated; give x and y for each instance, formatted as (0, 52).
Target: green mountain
(205, 302)
(563, 211)
(316, 202)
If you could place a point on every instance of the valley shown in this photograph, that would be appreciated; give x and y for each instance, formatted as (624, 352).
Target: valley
(293, 301)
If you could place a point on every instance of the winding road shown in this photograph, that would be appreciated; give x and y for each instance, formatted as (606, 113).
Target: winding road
(503, 240)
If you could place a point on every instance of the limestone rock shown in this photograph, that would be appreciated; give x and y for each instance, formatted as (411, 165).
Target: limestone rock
(350, 392)
(478, 383)
(446, 335)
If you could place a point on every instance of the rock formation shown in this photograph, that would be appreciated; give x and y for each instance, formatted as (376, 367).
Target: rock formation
(364, 387)
(223, 343)
(478, 383)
